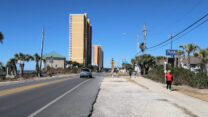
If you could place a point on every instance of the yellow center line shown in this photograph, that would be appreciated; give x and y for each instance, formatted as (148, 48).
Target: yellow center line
(24, 88)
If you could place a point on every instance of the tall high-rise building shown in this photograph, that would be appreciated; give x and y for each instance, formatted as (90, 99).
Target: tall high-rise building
(98, 56)
(80, 39)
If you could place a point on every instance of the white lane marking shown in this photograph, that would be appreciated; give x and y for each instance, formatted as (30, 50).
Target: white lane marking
(55, 100)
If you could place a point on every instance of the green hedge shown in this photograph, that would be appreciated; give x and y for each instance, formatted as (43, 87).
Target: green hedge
(181, 76)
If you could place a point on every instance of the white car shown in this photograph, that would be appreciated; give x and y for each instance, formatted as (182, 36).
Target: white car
(85, 72)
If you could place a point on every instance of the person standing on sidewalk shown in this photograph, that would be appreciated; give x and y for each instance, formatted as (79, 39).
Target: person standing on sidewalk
(134, 73)
(130, 72)
(169, 79)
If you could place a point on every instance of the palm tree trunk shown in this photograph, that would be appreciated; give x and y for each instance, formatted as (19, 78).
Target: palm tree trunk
(15, 70)
(175, 61)
(22, 69)
(179, 63)
(206, 68)
(37, 68)
(188, 65)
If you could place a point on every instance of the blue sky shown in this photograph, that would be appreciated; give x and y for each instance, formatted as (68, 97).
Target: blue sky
(21, 23)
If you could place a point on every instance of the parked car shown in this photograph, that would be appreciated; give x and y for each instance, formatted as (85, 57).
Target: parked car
(85, 72)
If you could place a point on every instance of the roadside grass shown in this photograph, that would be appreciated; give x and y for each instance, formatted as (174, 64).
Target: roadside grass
(201, 94)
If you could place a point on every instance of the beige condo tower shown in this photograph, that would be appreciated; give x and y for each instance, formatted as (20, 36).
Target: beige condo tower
(80, 39)
(98, 56)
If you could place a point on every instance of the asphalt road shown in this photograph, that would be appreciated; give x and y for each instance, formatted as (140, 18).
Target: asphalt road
(59, 97)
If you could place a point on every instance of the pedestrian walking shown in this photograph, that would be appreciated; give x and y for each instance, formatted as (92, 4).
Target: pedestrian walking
(117, 73)
(112, 73)
(134, 74)
(169, 79)
(130, 72)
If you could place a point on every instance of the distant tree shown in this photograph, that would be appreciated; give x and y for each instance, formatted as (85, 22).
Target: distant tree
(11, 65)
(180, 53)
(145, 61)
(22, 58)
(36, 57)
(189, 48)
(203, 54)
(133, 62)
(1, 67)
(127, 66)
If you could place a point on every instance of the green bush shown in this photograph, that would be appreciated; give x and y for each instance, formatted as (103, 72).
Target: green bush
(75, 70)
(180, 76)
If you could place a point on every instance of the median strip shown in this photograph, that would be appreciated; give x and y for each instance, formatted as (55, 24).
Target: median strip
(24, 88)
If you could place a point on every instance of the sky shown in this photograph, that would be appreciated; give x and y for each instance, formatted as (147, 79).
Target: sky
(115, 25)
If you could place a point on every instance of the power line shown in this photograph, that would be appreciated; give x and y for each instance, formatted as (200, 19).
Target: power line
(183, 34)
(180, 32)
(189, 11)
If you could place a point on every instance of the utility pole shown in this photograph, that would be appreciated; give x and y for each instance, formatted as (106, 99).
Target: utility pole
(174, 61)
(145, 34)
(171, 36)
(137, 45)
(41, 55)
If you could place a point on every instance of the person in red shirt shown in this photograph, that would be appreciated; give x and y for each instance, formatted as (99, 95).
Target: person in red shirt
(169, 79)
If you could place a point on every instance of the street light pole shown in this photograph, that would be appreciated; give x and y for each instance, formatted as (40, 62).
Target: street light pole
(145, 34)
(165, 71)
(137, 45)
(41, 56)
(171, 36)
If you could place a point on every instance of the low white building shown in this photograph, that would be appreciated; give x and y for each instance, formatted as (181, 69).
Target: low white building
(54, 60)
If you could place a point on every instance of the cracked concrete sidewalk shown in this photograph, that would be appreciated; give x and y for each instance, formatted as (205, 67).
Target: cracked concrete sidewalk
(121, 97)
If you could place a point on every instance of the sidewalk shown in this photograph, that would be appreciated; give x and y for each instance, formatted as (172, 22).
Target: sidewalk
(194, 105)
(140, 97)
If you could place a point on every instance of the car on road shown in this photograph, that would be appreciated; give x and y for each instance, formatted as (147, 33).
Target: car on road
(86, 72)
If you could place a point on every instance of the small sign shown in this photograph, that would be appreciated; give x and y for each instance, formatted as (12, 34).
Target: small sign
(171, 52)
(112, 62)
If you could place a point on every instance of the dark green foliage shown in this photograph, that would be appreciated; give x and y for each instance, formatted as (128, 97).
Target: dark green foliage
(75, 70)
(180, 76)
(145, 62)
(1, 37)
(127, 66)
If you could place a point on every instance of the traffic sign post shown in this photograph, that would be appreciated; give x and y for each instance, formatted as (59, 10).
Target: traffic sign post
(112, 64)
(165, 70)
(171, 52)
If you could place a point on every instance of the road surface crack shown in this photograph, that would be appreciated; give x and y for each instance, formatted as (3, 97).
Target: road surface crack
(92, 109)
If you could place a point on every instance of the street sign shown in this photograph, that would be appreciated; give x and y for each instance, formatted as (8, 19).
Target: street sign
(112, 62)
(171, 52)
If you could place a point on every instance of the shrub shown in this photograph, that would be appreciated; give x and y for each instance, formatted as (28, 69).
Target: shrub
(180, 76)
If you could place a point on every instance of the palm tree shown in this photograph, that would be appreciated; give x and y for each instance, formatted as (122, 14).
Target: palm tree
(189, 48)
(203, 54)
(1, 37)
(1, 66)
(37, 60)
(179, 53)
(141, 46)
(145, 62)
(11, 65)
(21, 58)
(158, 58)
(133, 63)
